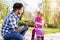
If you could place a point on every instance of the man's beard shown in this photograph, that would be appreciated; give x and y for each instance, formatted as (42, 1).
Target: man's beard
(19, 14)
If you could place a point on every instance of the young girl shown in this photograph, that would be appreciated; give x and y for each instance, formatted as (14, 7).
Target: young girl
(39, 23)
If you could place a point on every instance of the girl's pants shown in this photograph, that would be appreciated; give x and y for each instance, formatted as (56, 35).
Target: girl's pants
(39, 34)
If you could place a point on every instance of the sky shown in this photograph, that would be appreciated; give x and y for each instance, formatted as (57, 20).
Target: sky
(32, 4)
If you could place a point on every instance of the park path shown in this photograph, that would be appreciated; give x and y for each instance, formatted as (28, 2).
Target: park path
(55, 36)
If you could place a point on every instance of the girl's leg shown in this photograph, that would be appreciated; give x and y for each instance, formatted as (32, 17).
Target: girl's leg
(40, 38)
(41, 33)
(33, 34)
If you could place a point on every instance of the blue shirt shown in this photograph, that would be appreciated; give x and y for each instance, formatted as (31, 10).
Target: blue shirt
(10, 23)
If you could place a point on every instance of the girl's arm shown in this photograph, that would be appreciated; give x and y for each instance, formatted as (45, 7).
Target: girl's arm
(44, 23)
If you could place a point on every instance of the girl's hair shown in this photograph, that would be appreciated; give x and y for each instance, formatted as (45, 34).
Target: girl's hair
(40, 13)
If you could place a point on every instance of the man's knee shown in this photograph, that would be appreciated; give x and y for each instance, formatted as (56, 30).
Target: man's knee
(21, 37)
(16, 36)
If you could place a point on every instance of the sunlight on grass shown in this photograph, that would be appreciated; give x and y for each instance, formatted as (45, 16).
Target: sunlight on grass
(47, 30)
(51, 30)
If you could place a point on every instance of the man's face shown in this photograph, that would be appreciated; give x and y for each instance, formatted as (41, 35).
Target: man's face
(20, 11)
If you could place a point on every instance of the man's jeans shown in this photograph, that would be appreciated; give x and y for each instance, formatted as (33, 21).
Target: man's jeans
(16, 36)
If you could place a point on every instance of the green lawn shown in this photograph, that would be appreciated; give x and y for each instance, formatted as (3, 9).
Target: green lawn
(47, 30)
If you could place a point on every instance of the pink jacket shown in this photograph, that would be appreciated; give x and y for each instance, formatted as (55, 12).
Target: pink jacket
(39, 23)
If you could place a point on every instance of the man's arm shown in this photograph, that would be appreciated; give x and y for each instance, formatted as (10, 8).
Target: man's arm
(20, 28)
(14, 26)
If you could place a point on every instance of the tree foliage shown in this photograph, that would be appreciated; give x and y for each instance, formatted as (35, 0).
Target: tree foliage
(4, 10)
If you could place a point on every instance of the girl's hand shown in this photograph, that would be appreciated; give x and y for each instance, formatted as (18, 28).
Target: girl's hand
(45, 25)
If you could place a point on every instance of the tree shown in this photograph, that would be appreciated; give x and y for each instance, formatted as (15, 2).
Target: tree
(4, 10)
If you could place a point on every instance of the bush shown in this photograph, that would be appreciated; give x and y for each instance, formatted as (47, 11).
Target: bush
(58, 26)
(1, 21)
(23, 22)
(52, 26)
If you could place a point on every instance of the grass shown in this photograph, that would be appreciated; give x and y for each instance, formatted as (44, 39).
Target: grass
(51, 30)
(47, 30)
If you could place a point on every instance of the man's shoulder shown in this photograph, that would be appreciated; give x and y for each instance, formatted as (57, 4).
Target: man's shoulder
(10, 15)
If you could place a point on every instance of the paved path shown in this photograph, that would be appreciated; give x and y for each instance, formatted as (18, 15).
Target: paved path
(55, 36)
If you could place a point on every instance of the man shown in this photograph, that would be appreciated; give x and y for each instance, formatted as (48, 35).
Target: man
(10, 29)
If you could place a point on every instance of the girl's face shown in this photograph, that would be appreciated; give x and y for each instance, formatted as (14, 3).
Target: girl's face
(39, 15)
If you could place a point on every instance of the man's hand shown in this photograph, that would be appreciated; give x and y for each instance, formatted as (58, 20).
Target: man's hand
(20, 28)
(29, 23)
